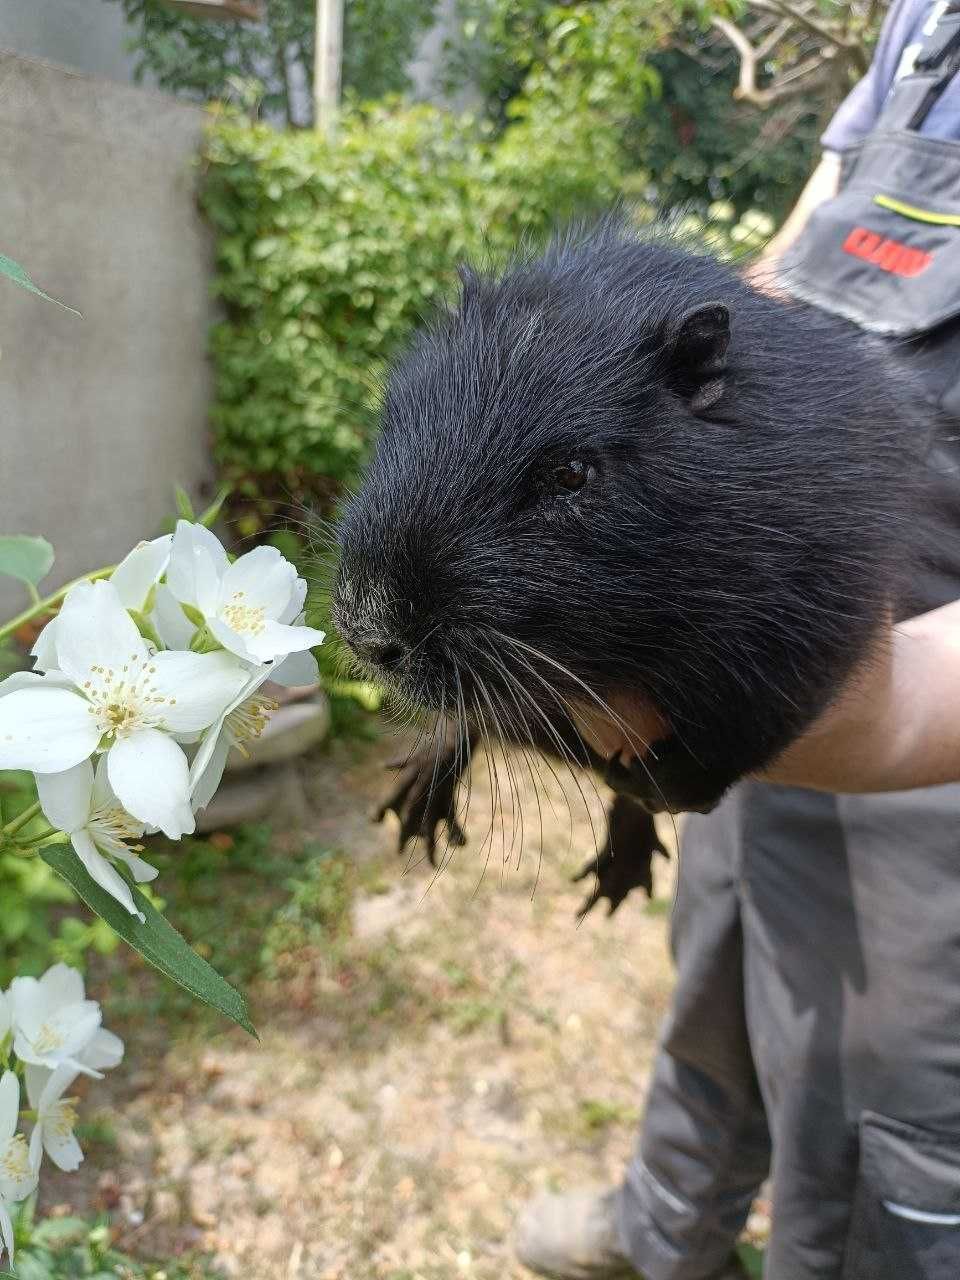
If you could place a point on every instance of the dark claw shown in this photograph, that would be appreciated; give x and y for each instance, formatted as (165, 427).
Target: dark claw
(626, 860)
(426, 798)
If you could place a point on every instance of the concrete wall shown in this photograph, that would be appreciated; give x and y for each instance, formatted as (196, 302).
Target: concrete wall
(99, 417)
(85, 35)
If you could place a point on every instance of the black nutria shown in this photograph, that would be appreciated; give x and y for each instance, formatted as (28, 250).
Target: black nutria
(620, 471)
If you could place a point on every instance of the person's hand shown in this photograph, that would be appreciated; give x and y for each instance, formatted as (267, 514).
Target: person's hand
(895, 724)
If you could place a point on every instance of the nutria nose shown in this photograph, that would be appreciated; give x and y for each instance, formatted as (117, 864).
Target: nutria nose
(386, 654)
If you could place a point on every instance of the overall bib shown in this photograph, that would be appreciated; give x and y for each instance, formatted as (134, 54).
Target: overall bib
(815, 1032)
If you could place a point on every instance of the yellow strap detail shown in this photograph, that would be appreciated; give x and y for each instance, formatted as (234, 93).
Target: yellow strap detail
(919, 215)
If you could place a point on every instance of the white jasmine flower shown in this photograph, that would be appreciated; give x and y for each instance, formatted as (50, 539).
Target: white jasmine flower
(121, 699)
(82, 803)
(134, 578)
(56, 1118)
(242, 720)
(18, 1178)
(53, 1022)
(253, 607)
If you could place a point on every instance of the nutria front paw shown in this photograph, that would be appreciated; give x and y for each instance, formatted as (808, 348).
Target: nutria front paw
(426, 798)
(626, 860)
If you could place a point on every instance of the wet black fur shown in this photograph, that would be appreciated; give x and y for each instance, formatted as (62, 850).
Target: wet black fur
(732, 561)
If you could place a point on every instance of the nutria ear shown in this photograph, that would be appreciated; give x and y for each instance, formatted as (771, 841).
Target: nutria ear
(698, 349)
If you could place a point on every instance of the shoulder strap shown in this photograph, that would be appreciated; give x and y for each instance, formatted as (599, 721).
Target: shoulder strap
(936, 63)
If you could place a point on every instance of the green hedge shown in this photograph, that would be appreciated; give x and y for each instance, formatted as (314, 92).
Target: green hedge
(328, 256)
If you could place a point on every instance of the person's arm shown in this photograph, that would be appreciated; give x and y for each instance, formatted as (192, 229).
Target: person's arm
(822, 185)
(897, 724)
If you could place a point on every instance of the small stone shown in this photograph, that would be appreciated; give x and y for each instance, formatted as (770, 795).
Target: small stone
(242, 800)
(335, 1158)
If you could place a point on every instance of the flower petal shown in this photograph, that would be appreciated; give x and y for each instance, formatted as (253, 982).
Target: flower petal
(106, 876)
(45, 730)
(61, 985)
(9, 1106)
(36, 1080)
(231, 640)
(149, 774)
(44, 652)
(34, 680)
(173, 626)
(296, 602)
(62, 1148)
(296, 669)
(141, 871)
(207, 779)
(65, 798)
(261, 579)
(95, 630)
(104, 1051)
(276, 640)
(140, 571)
(197, 563)
(55, 1086)
(194, 688)
(6, 1231)
(36, 1148)
(211, 743)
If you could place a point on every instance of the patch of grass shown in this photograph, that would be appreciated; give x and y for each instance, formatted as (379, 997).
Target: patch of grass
(316, 914)
(66, 1248)
(465, 1016)
(240, 899)
(97, 1130)
(476, 1002)
(595, 1115)
(591, 1118)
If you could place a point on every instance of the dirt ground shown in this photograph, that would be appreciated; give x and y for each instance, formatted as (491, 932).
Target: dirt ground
(476, 1046)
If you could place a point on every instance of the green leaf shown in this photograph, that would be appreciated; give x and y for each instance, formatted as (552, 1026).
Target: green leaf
(209, 517)
(155, 939)
(184, 505)
(13, 271)
(25, 558)
(752, 1259)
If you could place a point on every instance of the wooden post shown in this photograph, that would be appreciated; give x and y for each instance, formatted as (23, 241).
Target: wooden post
(326, 65)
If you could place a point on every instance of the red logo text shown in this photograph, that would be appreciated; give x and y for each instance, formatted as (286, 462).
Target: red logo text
(888, 255)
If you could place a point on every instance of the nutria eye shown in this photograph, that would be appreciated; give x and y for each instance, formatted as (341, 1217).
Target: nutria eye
(572, 476)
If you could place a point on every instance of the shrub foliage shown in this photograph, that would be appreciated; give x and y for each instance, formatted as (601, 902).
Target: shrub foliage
(329, 254)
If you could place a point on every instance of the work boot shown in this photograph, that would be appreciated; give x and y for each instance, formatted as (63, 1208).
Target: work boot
(575, 1237)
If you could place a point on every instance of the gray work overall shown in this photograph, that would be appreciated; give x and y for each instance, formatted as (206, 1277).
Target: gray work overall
(815, 1034)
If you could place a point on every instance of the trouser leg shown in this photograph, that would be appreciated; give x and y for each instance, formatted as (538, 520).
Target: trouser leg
(851, 926)
(703, 1149)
